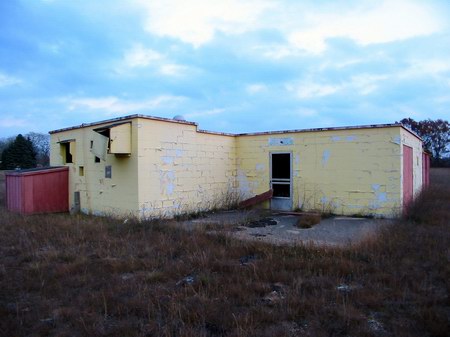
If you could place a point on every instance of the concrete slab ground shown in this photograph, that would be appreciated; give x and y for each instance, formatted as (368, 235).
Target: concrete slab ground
(281, 229)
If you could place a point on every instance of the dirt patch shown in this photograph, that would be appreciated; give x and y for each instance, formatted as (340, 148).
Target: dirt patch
(331, 232)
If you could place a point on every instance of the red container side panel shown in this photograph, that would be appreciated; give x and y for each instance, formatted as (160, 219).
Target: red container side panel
(14, 193)
(425, 170)
(40, 191)
(408, 178)
(50, 192)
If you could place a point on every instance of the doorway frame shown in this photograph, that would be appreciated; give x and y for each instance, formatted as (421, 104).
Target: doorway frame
(291, 187)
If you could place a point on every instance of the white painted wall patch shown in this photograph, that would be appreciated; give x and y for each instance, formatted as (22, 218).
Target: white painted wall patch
(281, 141)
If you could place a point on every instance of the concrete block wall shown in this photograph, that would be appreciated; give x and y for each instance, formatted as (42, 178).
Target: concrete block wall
(174, 168)
(182, 170)
(99, 195)
(353, 171)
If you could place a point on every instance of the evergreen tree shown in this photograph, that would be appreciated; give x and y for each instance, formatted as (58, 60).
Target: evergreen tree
(20, 153)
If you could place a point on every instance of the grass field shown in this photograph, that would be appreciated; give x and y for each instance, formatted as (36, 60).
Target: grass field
(64, 275)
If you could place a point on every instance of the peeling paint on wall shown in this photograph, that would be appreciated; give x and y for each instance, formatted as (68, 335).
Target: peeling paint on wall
(325, 157)
(335, 138)
(380, 197)
(244, 185)
(260, 167)
(167, 160)
(351, 138)
(281, 141)
(179, 153)
(167, 179)
(396, 140)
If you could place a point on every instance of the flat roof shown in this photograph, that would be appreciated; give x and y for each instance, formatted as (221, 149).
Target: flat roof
(169, 120)
(119, 119)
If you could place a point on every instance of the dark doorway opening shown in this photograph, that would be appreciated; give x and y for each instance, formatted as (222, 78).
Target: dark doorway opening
(281, 164)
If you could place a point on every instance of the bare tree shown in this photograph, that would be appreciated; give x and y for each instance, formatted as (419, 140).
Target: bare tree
(435, 135)
(41, 143)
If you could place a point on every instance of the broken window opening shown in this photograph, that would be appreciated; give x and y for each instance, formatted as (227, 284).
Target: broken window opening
(112, 139)
(67, 150)
(281, 190)
(281, 166)
(81, 171)
(97, 159)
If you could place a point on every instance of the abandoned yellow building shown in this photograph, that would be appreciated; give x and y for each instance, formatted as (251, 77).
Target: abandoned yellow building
(149, 167)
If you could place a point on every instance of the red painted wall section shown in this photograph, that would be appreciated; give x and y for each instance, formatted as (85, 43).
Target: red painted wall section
(425, 170)
(38, 191)
(14, 193)
(407, 175)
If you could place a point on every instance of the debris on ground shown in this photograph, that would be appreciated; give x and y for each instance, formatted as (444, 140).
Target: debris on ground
(188, 280)
(127, 276)
(375, 325)
(346, 288)
(262, 223)
(277, 294)
(247, 259)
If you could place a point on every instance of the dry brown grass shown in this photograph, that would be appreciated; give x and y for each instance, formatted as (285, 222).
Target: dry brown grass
(308, 220)
(66, 275)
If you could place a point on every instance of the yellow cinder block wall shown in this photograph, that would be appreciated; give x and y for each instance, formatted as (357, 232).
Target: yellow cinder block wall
(174, 168)
(353, 171)
(182, 170)
(98, 194)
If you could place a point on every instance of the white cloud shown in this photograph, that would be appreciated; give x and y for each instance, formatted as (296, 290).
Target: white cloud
(6, 80)
(312, 90)
(362, 84)
(365, 84)
(114, 105)
(305, 112)
(196, 21)
(304, 27)
(255, 88)
(212, 112)
(430, 67)
(12, 122)
(172, 69)
(383, 22)
(139, 56)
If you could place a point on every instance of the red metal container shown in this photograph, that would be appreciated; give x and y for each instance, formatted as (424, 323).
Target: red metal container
(44, 190)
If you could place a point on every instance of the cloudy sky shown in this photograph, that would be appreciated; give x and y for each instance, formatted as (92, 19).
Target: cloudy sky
(230, 65)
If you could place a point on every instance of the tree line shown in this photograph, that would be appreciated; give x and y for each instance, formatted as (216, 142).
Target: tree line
(436, 138)
(28, 151)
